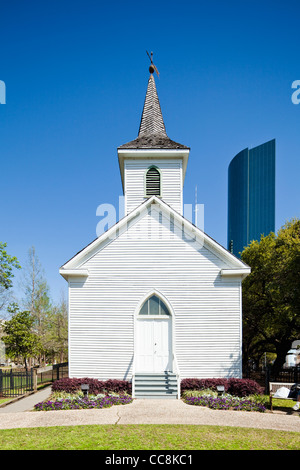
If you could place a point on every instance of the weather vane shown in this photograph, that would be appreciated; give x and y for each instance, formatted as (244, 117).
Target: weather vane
(152, 67)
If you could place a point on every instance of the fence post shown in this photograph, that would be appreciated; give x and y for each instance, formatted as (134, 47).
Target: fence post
(12, 387)
(1, 382)
(34, 373)
(28, 379)
(296, 374)
(267, 379)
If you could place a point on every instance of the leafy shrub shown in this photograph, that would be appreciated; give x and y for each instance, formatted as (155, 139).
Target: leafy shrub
(236, 387)
(117, 386)
(201, 384)
(262, 399)
(244, 387)
(73, 385)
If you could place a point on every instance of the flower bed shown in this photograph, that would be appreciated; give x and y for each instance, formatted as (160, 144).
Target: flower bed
(225, 403)
(78, 402)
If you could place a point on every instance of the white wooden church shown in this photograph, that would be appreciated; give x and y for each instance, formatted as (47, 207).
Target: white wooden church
(154, 300)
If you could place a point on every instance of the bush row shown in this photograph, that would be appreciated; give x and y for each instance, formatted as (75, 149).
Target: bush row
(95, 386)
(236, 387)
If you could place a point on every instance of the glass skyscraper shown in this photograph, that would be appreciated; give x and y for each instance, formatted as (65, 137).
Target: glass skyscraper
(251, 196)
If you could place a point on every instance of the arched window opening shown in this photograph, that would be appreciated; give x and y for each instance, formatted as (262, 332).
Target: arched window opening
(154, 306)
(153, 183)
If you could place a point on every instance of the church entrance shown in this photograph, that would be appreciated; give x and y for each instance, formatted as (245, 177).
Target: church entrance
(154, 337)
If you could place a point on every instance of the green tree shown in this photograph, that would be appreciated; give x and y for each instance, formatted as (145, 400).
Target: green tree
(37, 298)
(7, 264)
(18, 337)
(271, 294)
(56, 338)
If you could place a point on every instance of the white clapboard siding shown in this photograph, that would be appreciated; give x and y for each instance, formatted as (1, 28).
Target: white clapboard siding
(206, 307)
(171, 182)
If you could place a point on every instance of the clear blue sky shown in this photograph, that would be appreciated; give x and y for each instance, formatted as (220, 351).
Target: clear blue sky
(76, 74)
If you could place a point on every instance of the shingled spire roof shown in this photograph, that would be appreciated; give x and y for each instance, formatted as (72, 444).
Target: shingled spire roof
(152, 121)
(152, 132)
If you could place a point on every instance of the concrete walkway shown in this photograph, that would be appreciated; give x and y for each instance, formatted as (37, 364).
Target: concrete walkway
(140, 411)
(26, 403)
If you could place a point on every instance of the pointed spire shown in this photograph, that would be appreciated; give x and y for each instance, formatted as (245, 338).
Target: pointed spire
(152, 122)
(152, 131)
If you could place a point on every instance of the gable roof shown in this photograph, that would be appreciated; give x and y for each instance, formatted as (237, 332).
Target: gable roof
(74, 267)
(152, 131)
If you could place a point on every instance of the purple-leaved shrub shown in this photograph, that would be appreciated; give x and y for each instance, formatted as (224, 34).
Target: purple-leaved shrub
(236, 387)
(73, 385)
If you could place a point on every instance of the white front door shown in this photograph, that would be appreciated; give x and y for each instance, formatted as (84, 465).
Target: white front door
(154, 345)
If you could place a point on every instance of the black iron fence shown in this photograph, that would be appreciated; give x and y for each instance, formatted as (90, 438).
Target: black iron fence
(292, 375)
(15, 382)
(52, 373)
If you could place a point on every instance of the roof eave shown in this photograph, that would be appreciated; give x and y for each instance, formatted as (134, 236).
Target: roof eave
(66, 273)
(238, 267)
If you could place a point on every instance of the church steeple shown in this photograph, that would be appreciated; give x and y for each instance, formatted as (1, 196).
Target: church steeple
(152, 122)
(152, 131)
(152, 164)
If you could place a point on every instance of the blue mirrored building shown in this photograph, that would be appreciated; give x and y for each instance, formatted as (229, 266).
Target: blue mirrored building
(251, 196)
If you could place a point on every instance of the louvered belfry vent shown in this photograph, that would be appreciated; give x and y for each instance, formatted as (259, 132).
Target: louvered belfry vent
(153, 182)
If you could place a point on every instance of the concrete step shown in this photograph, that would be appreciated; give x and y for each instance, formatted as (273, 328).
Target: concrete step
(157, 391)
(157, 381)
(163, 385)
(144, 386)
(140, 378)
(151, 396)
(155, 376)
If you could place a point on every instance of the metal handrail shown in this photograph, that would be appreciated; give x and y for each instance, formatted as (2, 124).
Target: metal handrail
(177, 372)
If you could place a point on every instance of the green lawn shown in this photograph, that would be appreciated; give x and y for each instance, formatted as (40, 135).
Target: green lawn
(285, 405)
(4, 400)
(147, 437)
(150, 437)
